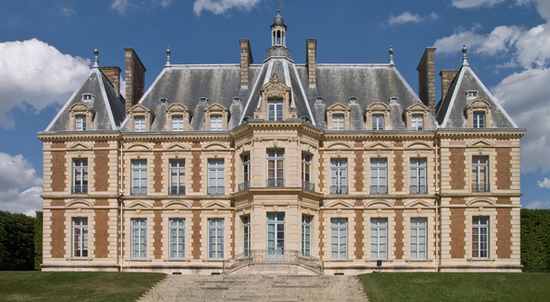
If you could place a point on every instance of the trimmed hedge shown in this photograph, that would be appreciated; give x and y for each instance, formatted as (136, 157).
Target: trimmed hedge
(16, 241)
(535, 240)
(38, 241)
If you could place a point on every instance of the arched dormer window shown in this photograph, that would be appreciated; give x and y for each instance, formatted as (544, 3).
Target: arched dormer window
(216, 118)
(274, 102)
(416, 117)
(81, 117)
(177, 118)
(338, 117)
(140, 118)
(478, 114)
(378, 116)
(87, 98)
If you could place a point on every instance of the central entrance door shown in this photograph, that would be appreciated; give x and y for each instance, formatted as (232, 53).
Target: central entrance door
(275, 234)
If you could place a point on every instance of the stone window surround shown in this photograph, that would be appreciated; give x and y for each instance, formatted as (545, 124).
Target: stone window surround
(216, 109)
(128, 216)
(415, 109)
(378, 108)
(79, 208)
(187, 216)
(140, 110)
(165, 179)
(80, 154)
(147, 155)
(379, 213)
(205, 156)
(477, 105)
(327, 216)
(491, 154)
(178, 109)
(469, 213)
(430, 229)
(314, 240)
(227, 233)
(430, 169)
(338, 108)
(81, 109)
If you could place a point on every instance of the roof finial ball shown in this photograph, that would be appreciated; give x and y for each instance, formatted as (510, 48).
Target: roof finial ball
(168, 56)
(391, 53)
(465, 61)
(96, 58)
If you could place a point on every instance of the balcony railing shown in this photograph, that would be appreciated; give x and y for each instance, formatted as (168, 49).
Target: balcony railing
(309, 186)
(244, 186)
(339, 190)
(272, 182)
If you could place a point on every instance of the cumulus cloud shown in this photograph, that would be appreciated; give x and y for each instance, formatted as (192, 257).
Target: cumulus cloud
(219, 7)
(475, 3)
(20, 187)
(37, 75)
(120, 6)
(544, 183)
(408, 17)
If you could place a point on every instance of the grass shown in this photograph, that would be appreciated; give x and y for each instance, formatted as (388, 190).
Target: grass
(72, 286)
(449, 287)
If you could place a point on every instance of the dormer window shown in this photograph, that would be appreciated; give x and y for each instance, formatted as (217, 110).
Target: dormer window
(275, 110)
(338, 121)
(80, 122)
(417, 122)
(177, 122)
(88, 97)
(471, 94)
(378, 122)
(479, 119)
(216, 122)
(139, 123)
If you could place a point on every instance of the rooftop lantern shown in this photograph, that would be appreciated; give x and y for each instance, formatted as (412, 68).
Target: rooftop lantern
(278, 31)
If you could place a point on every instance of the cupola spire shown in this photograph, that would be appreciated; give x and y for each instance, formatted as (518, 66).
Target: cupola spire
(465, 61)
(96, 58)
(278, 31)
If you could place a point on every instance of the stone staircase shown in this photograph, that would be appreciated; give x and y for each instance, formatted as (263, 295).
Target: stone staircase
(257, 288)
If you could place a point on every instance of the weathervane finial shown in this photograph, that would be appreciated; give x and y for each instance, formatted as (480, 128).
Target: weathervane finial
(168, 57)
(465, 61)
(391, 53)
(96, 58)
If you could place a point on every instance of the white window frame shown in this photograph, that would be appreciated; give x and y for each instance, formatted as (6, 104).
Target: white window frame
(275, 234)
(216, 122)
(339, 238)
(338, 121)
(307, 222)
(79, 237)
(139, 123)
(419, 238)
(379, 238)
(418, 183)
(177, 177)
(246, 235)
(379, 176)
(80, 122)
(481, 237)
(177, 122)
(307, 182)
(216, 238)
(378, 121)
(80, 176)
(216, 176)
(138, 238)
(480, 171)
(417, 121)
(139, 177)
(275, 110)
(339, 176)
(275, 168)
(479, 119)
(177, 237)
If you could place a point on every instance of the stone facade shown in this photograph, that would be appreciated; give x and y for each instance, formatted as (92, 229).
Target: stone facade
(354, 226)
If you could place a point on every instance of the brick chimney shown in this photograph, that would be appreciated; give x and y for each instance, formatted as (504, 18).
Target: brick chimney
(113, 74)
(134, 76)
(246, 60)
(447, 76)
(311, 62)
(426, 78)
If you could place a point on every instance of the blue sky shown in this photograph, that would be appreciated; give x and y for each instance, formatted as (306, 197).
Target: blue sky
(44, 46)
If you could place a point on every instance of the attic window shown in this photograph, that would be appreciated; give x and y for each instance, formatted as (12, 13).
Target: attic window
(139, 123)
(338, 121)
(378, 121)
(417, 122)
(88, 97)
(80, 122)
(472, 94)
(275, 110)
(177, 122)
(216, 122)
(479, 119)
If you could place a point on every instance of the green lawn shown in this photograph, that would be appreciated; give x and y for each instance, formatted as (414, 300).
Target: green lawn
(449, 287)
(82, 287)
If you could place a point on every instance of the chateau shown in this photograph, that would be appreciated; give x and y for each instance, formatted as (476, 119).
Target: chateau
(277, 166)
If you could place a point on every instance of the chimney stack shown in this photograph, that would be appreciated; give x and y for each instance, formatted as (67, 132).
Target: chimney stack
(246, 60)
(447, 77)
(113, 74)
(426, 78)
(134, 76)
(311, 62)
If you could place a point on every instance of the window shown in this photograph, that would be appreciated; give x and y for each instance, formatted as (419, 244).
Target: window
(177, 122)
(480, 237)
(417, 122)
(379, 238)
(418, 176)
(479, 119)
(379, 176)
(139, 237)
(419, 232)
(246, 235)
(139, 177)
(216, 185)
(306, 235)
(215, 238)
(80, 176)
(275, 110)
(339, 238)
(80, 122)
(139, 123)
(246, 172)
(306, 173)
(87, 97)
(338, 121)
(471, 94)
(480, 173)
(339, 176)
(275, 234)
(377, 122)
(177, 237)
(216, 122)
(177, 177)
(80, 236)
(275, 172)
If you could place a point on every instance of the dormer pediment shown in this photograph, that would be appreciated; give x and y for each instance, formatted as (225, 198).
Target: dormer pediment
(176, 107)
(215, 107)
(378, 106)
(417, 107)
(478, 103)
(275, 88)
(338, 107)
(138, 108)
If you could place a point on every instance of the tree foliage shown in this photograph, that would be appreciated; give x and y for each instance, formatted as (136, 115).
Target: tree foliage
(535, 240)
(16, 241)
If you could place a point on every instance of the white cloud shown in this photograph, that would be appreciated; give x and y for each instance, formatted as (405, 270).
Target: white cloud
(544, 183)
(219, 7)
(408, 17)
(475, 3)
(37, 75)
(20, 187)
(120, 6)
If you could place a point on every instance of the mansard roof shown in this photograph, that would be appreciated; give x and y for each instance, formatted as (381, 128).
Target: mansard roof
(108, 105)
(451, 110)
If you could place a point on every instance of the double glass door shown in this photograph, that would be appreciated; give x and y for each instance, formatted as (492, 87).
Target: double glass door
(275, 234)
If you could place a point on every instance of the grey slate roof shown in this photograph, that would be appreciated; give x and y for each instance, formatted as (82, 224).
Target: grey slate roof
(450, 112)
(108, 108)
